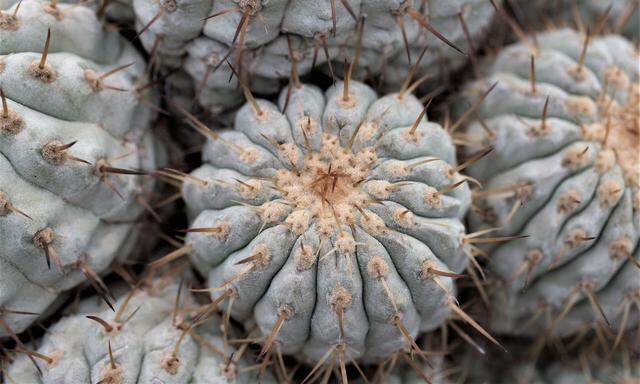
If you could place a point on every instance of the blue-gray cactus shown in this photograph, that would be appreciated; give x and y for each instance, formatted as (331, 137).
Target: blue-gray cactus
(71, 125)
(335, 225)
(610, 16)
(157, 335)
(200, 35)
(119, 11)
(623, 367)
(564, 122)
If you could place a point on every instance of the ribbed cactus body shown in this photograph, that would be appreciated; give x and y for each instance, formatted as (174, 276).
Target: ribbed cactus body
(119, 11)
(564, 171)
(64, 127)
(253, 35)
(623, 368)
(332, 222)
(436, 372)
(152, 340)
(614, 16)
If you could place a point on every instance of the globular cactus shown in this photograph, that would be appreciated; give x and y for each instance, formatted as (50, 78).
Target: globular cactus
(157, 335)
(612, 16)
(72, 126)
(403, 369)
(622, 367)
(563, 117)
(335, 224)
(404, 373)
(263, 39)
(119, 11)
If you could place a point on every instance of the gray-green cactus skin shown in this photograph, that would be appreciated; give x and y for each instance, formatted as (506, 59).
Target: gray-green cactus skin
(119, 11)
(152, 340)
(623, 16)
(327, 224)
(623, 368)
(568, 180)
(63, 130)
(181, 37)
(403, 373)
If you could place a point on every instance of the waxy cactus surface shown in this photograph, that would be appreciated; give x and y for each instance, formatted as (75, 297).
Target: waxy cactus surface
(120, 11)
(564, 121)
(74, 134)
(335, 224)
(610, 16)
(157, 335)
(263, 39)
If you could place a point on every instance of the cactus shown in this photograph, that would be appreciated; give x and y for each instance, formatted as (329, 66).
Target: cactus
(119, 11)
(416, 374)
(264, 38)
(335, 224)
(612, 16)
(563, 117)
(405, 370)
(157, 335)
(72, 126)
(623, 367)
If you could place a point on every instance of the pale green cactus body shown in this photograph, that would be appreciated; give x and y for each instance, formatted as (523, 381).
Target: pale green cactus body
(62, 129)
(569, 180)
(152, 340)
(181, 37)
(328, 222)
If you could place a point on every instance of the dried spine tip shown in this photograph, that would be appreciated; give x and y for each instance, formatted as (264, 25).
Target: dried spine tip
(260, 257)
(41, 70)
(6, 207)
(285, 312)
(575, 158)
(43, 238)
(54, 152)
(569, 201)
(112, 373)
(10, 122)
(5, 204)
(609, 192)
(377, 267)
(247, 92)
(96, 80)
(9, 21)
(340, 298)
(304, 257)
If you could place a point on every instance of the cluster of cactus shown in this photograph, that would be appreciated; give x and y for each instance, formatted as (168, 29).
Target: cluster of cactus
(329, 227)
(267, 39)
(563, 117)
(72, 126)
(157, 335)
